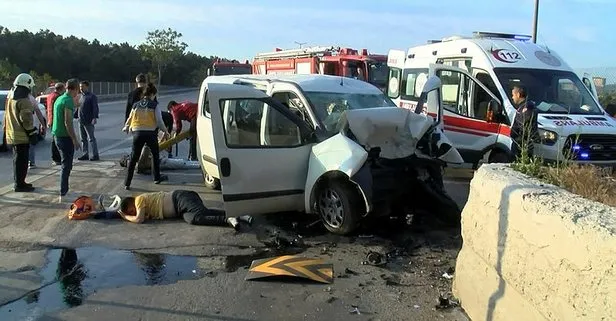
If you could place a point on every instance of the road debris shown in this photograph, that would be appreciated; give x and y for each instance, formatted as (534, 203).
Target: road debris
(447, 276)
(445, 303)
(374, 258)
(292, 266)
(354, 310)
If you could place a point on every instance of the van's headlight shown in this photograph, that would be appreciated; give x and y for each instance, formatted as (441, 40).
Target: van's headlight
(548, 137)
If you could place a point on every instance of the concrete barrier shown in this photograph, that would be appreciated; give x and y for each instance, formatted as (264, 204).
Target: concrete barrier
(533, 251)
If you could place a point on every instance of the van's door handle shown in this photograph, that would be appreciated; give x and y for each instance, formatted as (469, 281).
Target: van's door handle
(225, 167)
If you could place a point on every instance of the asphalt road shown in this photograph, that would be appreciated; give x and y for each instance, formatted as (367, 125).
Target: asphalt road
(55, 269)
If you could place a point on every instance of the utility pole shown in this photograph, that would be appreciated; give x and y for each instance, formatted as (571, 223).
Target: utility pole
(300, 44)
(535, 21)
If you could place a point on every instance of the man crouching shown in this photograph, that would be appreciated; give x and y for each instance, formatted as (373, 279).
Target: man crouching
(177, 204)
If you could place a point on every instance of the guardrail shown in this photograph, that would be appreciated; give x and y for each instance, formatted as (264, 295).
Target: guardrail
(109, 90)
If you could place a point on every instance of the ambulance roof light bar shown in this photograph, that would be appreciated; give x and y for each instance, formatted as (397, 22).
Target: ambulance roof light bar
(484, 34)
(295, 53)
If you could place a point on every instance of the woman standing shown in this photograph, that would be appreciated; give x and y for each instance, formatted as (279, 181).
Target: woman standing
(144, 121)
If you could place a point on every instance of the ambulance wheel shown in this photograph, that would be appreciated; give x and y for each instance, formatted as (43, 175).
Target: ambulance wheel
(211, 182)
(340, 206)
(499, 157)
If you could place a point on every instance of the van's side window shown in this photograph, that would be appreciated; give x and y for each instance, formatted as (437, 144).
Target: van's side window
(413, 81)
(243, 121)
(291, 101)
(393, 85)
(455, 91)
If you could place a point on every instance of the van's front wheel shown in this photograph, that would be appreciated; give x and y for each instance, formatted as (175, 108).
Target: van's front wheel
(339, 205)
(211, 182)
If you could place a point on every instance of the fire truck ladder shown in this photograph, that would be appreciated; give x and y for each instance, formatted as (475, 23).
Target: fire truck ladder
(297, 53)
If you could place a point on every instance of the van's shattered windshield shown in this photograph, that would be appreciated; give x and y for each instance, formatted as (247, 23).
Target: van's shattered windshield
(329, 106)
(554, 92)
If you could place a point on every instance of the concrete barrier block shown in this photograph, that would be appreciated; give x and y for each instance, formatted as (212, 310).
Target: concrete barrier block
(533, 251)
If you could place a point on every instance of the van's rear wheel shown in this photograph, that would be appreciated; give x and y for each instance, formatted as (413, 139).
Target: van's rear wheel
(211, 182)
(339, 205)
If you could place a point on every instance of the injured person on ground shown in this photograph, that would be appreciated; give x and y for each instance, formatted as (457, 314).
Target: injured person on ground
(184, 204)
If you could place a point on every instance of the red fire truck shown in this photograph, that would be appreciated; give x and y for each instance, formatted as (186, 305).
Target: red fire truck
(229, 67)
(337, 61)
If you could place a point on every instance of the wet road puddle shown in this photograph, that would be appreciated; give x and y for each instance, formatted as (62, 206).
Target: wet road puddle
(70, 275)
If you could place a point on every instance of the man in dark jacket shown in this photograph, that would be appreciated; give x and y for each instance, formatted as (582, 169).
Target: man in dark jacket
(135, 95)
(524, 131)
(88, 114)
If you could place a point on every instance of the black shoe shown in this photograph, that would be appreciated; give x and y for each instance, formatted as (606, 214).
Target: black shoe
(246, 219)
(161, 179)
(95, 158)
(83, 157)
(127, 188)
(24, 189)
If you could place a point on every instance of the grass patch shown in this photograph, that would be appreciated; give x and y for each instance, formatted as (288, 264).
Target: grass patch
(589, 181)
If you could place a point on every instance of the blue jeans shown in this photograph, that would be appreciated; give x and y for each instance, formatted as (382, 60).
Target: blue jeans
(67, 152)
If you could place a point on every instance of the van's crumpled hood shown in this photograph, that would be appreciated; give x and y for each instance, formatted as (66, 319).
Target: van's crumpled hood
(396, 131)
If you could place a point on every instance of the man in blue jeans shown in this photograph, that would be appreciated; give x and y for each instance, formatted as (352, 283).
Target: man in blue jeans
(88, 114)
(63, 132)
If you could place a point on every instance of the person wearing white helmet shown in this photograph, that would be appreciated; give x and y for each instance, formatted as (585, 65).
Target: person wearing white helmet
(20, 130)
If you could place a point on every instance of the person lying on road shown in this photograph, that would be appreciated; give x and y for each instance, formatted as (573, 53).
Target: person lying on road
(177, 204)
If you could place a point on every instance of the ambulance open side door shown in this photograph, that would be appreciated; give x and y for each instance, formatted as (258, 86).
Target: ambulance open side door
(470, 120)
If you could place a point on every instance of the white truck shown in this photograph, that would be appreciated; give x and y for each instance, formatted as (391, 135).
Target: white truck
(571, 121)
(328, 145)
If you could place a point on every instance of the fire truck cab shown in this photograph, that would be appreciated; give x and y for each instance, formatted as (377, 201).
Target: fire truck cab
(229, 67)
(479, 110)
(334, 61)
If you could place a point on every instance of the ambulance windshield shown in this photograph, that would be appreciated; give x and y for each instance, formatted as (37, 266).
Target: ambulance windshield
(329, 106)
(553, 91)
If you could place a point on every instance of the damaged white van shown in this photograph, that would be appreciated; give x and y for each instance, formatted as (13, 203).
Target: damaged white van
(479, 112)
(342, 150)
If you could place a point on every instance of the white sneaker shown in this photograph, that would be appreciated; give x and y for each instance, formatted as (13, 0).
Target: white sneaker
(233, 222)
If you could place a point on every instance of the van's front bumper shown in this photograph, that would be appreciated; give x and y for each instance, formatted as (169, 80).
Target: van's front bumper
(597, 150)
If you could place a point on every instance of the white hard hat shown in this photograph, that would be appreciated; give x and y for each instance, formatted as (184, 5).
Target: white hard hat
(24, 80)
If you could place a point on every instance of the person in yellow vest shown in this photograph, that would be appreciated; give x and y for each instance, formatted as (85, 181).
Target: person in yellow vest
(144, 121)
(20, 130)
(177, 204)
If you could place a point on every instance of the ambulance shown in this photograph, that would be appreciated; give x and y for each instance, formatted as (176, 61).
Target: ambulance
(476, 93)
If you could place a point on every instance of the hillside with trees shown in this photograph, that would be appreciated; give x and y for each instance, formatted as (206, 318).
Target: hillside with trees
(51, 57)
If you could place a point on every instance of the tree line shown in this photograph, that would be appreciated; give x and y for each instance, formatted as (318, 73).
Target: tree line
(50, 57)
